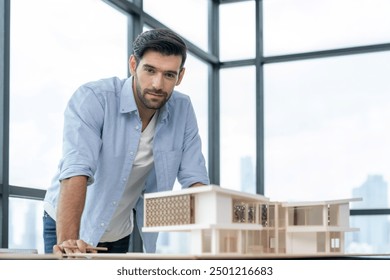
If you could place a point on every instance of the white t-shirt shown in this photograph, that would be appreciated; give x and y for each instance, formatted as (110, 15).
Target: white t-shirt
(121, 223)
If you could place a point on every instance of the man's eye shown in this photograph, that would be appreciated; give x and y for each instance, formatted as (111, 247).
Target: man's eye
(170, 75)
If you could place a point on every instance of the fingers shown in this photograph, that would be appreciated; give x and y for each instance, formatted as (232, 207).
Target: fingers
(71, 246)
(82, 246)
(57, 250)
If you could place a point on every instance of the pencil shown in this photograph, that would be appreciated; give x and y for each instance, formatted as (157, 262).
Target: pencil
(88, 248)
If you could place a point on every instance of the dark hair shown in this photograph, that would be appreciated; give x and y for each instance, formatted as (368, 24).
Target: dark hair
(163, 41)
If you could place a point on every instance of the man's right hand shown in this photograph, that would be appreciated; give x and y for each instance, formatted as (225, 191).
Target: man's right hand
(72, 246)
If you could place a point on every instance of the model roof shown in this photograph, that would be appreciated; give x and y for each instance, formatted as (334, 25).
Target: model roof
(208, 188)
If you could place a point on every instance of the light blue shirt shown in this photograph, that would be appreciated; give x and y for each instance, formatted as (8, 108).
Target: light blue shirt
(101, 135)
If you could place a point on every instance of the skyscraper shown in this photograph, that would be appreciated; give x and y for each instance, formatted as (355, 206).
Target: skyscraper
(373, 236)
(248, 182)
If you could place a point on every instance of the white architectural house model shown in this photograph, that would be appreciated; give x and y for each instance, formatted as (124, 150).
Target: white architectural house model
(227, 221)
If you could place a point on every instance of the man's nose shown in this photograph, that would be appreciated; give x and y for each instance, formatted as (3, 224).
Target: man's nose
(158, 81)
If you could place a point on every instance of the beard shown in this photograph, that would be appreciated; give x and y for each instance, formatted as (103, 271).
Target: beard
(151, 98)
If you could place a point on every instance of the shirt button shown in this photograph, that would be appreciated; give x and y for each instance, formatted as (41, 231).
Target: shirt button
(114, 203)
(102, 224)
(131, 153)
(137, 127)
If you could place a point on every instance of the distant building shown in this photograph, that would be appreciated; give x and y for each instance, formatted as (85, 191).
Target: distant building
(374, 235)
(374, 191)
(248, 180)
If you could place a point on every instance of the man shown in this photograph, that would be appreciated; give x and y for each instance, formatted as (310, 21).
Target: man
(123, 138)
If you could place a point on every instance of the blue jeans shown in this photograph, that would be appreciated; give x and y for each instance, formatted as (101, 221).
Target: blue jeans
(50, 238)
(49, 233)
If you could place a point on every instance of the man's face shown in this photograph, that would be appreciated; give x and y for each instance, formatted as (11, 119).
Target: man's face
(155, 77)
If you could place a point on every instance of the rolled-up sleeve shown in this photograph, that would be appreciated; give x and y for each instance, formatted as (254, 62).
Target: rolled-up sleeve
(82, 141)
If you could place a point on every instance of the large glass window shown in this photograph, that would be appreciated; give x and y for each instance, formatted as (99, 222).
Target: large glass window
(237, 31)
(325, 120)
(25, 224)
(326, 127)
(55, 47)
(293, 26)
(238, 128)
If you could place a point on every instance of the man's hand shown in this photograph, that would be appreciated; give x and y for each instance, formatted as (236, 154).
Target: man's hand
(73, 246)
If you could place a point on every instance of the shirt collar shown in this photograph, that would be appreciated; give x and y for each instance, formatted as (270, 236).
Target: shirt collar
(127, 101)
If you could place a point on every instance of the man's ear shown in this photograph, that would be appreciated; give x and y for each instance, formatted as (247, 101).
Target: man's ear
(132, 65)
(181, 74)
